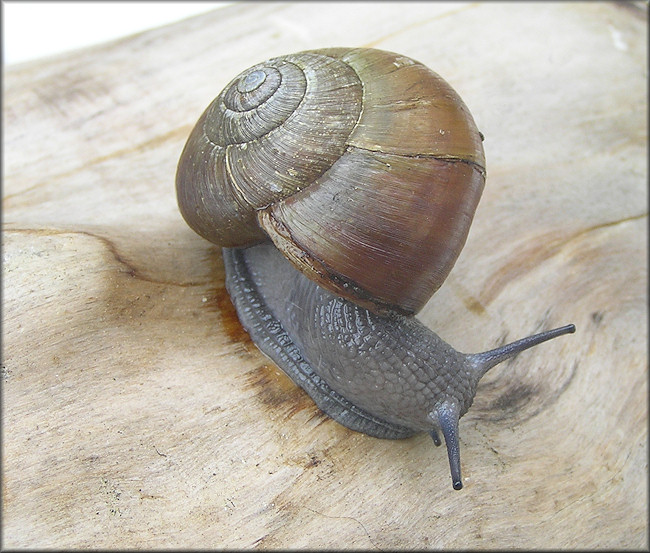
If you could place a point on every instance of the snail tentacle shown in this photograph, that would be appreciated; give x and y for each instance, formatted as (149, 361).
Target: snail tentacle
(483, 362)
(447, 416)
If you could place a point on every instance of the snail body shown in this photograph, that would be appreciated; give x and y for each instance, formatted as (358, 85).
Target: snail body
(341, 184)
(386, 376)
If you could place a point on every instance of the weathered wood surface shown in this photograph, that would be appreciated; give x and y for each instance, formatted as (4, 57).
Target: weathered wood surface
(137, 413)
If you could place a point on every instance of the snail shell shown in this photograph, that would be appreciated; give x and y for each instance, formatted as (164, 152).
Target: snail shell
(364, 167)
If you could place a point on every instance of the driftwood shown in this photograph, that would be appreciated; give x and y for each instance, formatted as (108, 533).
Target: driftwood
(138, 413)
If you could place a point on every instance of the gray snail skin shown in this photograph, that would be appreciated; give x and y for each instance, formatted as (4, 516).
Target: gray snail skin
(341, 184)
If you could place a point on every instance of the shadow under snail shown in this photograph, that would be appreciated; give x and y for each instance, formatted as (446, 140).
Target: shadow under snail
(341, 184)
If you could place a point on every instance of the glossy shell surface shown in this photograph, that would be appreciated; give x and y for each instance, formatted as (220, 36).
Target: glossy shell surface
(363, 166)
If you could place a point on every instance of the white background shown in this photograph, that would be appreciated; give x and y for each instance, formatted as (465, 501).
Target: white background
(31, 30)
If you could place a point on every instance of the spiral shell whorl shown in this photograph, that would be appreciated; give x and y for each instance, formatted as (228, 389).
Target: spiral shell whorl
(274, 129)
(255, 103)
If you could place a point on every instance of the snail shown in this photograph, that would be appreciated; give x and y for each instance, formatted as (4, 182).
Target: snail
(341, 184)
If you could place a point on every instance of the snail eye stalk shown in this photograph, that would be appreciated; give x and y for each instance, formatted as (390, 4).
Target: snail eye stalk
(483, 362)
(447, 415)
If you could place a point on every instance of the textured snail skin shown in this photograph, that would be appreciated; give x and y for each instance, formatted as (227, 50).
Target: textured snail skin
(386, 376)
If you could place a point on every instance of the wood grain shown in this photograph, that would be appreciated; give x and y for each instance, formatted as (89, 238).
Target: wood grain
(137, 412)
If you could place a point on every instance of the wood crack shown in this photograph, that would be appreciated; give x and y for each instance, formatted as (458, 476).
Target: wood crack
(130, 268)
(348, 518)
